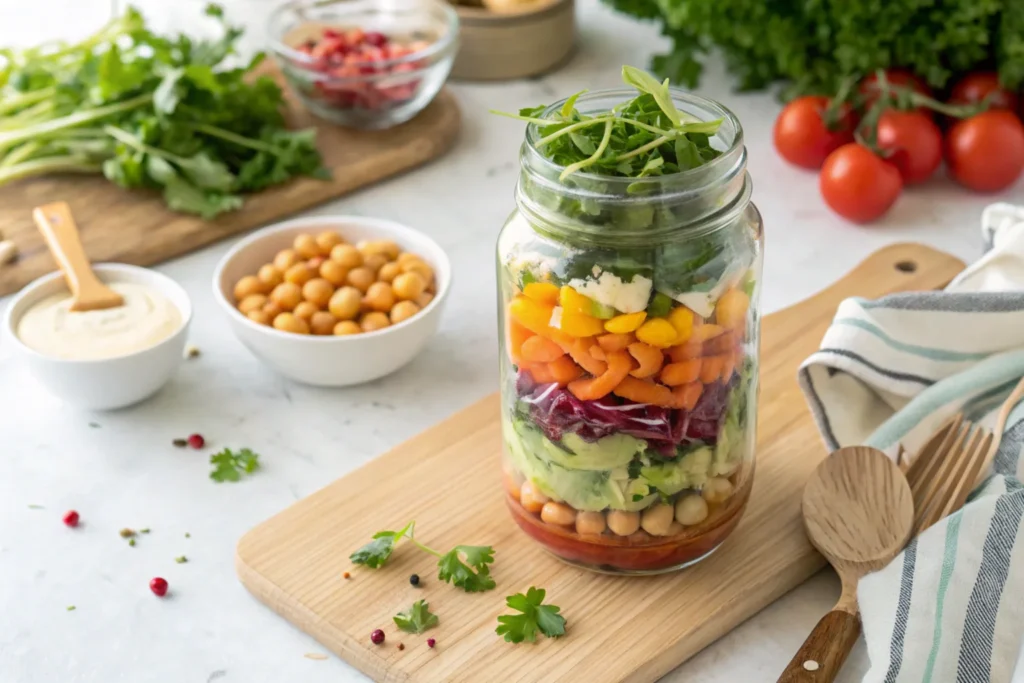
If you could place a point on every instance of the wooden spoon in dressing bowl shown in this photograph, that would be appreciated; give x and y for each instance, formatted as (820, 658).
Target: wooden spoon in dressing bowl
(859, 512)
(61, 233)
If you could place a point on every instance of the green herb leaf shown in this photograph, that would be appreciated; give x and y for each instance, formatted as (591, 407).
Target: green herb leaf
(453, 570)
(229, 465)
(417, 618)
(375, 553)
(534, 617)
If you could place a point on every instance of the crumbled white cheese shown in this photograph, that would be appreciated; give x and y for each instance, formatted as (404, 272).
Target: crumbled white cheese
(609, 289)
(556, 318)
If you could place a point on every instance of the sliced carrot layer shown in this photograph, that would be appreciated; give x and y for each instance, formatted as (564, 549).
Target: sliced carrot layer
(688, 351)
(711, 368)
(537, 349)
(723, 343)
(687, 395)
(676, 374)
(706, 332)
(615, 342)
(642, 391)
(728, 366)
(649, 358)
(517, 336)
(619, 365)
(540, 372)
(580, 352)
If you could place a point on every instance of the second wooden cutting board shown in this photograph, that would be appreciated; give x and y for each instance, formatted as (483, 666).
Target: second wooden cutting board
(619, 629)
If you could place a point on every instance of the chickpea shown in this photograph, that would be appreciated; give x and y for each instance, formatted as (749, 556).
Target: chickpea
(287, 295)
(425, 271)
(405, 257)
(298, 274)
(380, 297)
(692, 509)
(258, 317)
(285, 259)
(361, 278)
(315, 263)
(716, 490)
(408, 286)
(374, 262)
(272, 309)
(403, 310)
(305, 246)
(590, 523)
(373, 321)
(328, 240)
(558, 513)
(346, 327)
(288, 322)
(347, 255)
(322, 323)
(623, 523)
(423, 299)
(675, 529)
(270, 276)
(248, 285)
(389, 271)
(385, 248)
(344, 303)
(512, 482)
(318, 291)
(657, 519)
(253, 302)
(305, 310)
(333, 272)
(531, 498)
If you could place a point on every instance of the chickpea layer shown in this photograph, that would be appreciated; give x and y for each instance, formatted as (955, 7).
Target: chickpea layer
(324, 285)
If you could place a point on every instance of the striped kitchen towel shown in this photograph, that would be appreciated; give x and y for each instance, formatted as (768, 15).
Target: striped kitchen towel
(889, 372)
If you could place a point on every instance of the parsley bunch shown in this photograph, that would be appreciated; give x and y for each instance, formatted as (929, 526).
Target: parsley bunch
(166, 113)
(464, 566)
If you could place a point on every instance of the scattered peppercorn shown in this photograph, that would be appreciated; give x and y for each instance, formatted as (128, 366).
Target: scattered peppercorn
(192, 352)
(196, 441)
(347, 575)
(131, 542)
(181, 559)
(377, 637)
(414, 579)
(401, 646)
(71, 608)
(127, 533)
(180, 443)
(144, 530)
(188, 535)
(71, 518)
(431, 642)
(158, 586)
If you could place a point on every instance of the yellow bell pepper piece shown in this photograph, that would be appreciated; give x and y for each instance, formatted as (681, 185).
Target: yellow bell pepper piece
(657, 332)
(731, 309)
(681, 318)
(573, 302)
(580, 325)
(536, 317)
(625, 323)
(542, 292)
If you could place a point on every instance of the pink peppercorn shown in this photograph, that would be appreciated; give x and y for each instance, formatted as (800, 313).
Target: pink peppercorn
(377, 637)
(431, 642)
(196, 441)
(71, 518)
(158, 586)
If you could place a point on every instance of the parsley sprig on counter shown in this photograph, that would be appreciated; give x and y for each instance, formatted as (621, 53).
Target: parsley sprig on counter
(229, 465)
(645, 136)
(417, 618)
(464, 566)
(168, 113)
(534, 617)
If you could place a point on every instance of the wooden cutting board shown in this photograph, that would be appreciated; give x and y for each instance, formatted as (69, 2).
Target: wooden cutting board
(135, 227)
(619, 628)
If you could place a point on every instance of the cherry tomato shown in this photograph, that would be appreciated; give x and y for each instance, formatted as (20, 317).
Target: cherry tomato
(913, 141)
(858, 184)
(802, 136)
(977, 86)
(901, 77)
(986, 152)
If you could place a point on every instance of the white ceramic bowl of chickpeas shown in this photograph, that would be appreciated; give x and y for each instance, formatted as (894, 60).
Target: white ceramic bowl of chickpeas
(334, 300)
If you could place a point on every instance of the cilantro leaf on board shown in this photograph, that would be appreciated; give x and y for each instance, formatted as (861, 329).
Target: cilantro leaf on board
(417, 618)
(534, 617)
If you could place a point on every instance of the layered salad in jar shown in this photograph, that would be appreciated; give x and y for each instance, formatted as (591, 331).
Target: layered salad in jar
(629, 385)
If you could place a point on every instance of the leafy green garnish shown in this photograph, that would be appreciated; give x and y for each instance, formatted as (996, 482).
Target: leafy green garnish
(417, 618)
(149, 111)
(534, 617)
(472, 574)
(229, 465)
(646, 136)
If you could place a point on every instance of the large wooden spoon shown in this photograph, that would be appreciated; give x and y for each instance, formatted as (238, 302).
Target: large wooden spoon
(61, 233)
(858, 511)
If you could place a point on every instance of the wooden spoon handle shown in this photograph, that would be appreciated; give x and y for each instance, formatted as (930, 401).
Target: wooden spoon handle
(58, 227)
(826, 648)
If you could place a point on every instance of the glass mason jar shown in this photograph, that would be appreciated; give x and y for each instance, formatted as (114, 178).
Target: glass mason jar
(629, 335)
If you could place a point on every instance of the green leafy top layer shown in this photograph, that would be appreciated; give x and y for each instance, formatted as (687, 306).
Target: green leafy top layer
(645, 136)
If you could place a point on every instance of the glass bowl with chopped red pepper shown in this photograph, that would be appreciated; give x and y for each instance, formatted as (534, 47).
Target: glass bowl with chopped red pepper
(365, 64)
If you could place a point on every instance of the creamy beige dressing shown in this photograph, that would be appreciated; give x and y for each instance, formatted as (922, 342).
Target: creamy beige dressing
(146, 319)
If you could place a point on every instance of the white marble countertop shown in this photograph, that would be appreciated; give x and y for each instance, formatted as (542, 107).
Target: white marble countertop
(119, 469)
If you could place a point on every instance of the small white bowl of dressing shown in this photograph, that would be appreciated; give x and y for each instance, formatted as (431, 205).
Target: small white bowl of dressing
(104, 359)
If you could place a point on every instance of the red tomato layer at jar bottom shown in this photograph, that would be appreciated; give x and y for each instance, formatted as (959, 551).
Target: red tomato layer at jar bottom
(628, 448)
(359, 55)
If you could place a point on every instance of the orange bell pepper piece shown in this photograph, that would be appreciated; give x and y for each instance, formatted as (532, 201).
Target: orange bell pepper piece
(619, 365)
(649, 358)
(642, 391)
